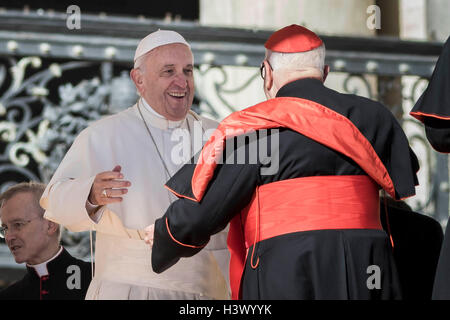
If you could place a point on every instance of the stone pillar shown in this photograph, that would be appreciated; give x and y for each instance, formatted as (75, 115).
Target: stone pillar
(412, 19)
(390, 88)
(438, 19)
(343, 17)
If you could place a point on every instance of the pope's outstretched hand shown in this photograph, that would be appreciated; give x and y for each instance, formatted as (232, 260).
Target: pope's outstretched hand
(108, 187)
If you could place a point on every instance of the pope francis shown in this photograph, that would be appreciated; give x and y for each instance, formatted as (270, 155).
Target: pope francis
(112, 181)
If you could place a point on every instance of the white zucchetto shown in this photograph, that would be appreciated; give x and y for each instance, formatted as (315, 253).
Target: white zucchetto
(157, 39)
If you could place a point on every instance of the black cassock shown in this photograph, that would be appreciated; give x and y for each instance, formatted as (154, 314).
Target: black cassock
(433, 109)
(418, 240)
(68, 279)
(321, 263)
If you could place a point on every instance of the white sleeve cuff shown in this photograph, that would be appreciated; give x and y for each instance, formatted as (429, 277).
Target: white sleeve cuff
(91, 208)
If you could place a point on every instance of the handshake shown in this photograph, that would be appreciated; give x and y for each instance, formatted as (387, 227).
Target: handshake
(149, 232)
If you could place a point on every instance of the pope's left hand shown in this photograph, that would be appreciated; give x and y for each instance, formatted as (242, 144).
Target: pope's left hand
(149, 232)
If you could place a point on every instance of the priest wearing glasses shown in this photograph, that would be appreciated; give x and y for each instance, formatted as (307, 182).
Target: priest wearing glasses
(51, 272)
(112, 181)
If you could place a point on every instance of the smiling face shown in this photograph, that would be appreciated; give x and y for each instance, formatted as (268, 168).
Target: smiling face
(29, 235)
(166, 81)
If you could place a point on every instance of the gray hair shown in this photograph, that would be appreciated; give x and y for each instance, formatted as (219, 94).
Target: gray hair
(139, 63)
(33, 187)
(298, 60)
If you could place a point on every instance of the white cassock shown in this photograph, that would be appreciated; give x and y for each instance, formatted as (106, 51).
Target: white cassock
(122, 258)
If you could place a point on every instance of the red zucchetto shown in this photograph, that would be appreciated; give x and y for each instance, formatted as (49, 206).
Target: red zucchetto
(293, 38)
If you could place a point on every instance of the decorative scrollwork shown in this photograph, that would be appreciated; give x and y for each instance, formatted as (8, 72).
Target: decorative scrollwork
(430, 195)
(359, 85)
(211, 89)
(423, 202)
(79, 105)
(25, 128)
(39, 120)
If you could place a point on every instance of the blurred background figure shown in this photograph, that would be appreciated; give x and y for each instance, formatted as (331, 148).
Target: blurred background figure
(433, 110)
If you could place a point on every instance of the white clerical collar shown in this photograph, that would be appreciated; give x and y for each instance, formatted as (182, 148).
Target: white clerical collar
(156, 119)
(41, 268)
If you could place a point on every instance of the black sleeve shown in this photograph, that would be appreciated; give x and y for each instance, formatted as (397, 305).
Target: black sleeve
(438, 133)
(187, 225)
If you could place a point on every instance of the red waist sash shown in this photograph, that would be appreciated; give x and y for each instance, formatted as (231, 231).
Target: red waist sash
(301, 204)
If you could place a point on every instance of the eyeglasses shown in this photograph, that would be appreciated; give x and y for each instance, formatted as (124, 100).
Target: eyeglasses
(262, 69)
(15, 227)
